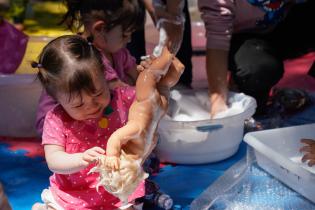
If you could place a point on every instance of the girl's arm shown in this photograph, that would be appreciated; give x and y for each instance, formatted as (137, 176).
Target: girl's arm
(45, 104)
(61, 162)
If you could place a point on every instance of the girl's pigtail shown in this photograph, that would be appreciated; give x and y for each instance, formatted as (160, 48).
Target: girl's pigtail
(42, 74)
(90, 39)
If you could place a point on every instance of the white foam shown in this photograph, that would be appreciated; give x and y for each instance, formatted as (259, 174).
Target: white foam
(196, 106)
(298, 159)
(162, 42)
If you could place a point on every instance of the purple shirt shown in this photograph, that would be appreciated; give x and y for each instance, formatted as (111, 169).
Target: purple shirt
(122, 63)
(222, 18)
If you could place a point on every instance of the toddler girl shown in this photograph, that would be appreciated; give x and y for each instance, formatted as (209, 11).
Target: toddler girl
(76, 131)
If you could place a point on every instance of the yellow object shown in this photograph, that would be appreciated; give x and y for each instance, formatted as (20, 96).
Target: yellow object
(41, 26)
(103, 123)
(33, 49)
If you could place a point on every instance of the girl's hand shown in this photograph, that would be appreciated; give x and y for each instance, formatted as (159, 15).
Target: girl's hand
(91, 155)
(309, 151)
(145, 63)
(112, 162)
(116, 83)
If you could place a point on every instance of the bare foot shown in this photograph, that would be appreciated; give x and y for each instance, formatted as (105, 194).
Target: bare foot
(218, 104)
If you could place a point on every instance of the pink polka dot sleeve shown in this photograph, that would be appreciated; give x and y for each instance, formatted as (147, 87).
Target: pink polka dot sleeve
(127, 95)
(53, 130)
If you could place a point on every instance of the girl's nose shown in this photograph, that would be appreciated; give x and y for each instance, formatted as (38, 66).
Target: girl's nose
(92, 104)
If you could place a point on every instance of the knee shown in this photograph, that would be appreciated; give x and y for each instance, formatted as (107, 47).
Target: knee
(257, 66)
(39, 206)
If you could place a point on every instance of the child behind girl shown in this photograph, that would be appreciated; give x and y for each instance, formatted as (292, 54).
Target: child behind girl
(76, 131)
(110, 23)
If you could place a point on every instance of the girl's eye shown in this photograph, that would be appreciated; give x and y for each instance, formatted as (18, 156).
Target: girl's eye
(98, 94)
(77, 106)
(127, 34)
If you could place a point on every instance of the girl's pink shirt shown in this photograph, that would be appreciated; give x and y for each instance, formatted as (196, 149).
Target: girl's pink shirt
(78, 190)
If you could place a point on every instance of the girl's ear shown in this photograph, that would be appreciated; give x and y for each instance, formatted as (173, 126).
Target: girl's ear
(98, 27)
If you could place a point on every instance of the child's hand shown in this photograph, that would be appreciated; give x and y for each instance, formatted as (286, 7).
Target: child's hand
(309, 151)
(112, 162)
(116, 83)
(145, 63)
(91, 155)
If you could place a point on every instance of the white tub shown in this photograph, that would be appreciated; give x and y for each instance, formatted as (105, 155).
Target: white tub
(204, 141)
(19, 95)
(277, 152)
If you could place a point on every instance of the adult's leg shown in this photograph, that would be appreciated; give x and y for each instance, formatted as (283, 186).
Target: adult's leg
(185, 51)
(255, 66)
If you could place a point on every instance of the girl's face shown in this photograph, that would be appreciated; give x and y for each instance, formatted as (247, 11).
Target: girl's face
(113, 40)
(85, 106)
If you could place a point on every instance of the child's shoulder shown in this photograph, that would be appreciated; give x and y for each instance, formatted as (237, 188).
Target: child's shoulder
(58, 114)
(123, 54)
(125, 94)
(123, 91)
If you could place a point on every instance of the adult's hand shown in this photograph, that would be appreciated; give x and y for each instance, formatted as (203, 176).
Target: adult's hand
(170, 23)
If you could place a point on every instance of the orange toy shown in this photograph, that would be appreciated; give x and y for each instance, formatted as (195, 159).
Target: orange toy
(128, 147)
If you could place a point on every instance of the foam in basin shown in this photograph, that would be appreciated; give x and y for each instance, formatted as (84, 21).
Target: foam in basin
(196, 106)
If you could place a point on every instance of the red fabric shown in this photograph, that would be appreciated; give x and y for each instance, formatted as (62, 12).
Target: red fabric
(295, 75)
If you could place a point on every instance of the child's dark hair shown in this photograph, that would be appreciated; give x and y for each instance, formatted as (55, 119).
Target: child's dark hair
(127, 13)
(69, 64)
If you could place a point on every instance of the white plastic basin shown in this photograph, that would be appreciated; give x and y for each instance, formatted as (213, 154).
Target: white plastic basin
(203, 141)
(19, 96)
(277, 152)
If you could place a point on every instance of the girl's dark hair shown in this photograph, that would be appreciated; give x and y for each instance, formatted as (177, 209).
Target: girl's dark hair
(130, 14)
(69, 64)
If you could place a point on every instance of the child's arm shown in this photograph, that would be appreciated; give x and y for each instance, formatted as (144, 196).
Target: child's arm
(309, 151)
(132, 75)
(61, 162)
(45, 104)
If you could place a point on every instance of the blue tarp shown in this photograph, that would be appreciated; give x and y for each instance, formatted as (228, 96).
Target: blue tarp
(24, 177)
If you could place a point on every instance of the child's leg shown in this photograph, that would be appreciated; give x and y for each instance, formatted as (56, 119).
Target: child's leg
(49, 202)
(39, 206)
(138, 207)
